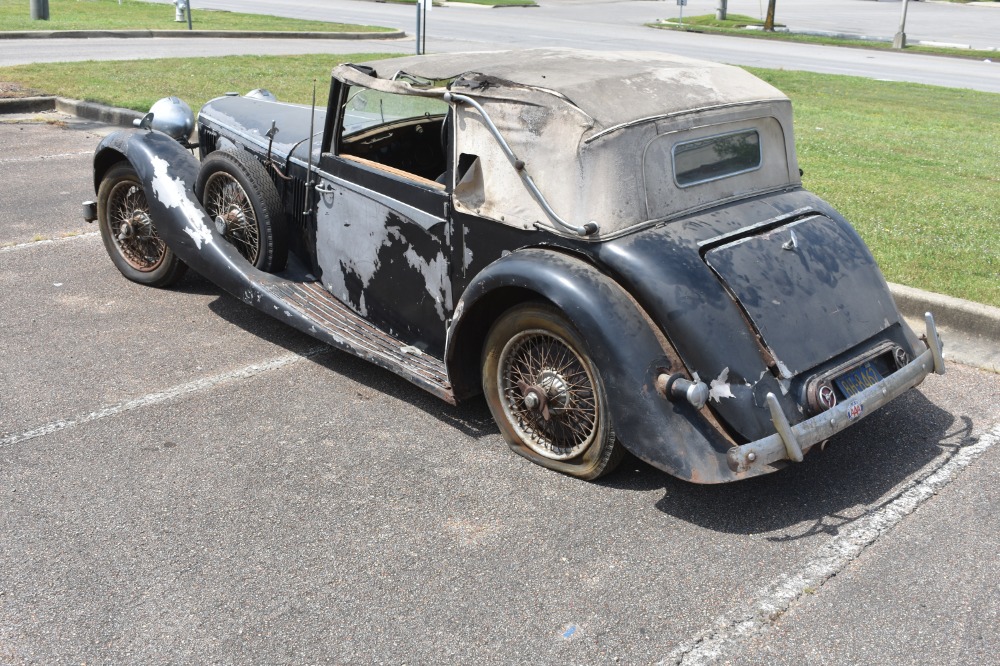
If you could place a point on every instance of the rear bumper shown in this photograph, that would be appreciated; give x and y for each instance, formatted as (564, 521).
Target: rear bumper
(791, 442)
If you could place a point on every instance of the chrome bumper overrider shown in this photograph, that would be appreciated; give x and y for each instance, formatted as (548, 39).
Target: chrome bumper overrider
(791, 442)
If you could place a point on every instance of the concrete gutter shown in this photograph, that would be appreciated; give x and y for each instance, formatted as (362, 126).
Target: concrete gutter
(217, 34)
(971, 331)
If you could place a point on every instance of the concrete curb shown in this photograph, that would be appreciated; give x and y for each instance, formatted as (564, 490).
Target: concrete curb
(971, 331)
(973, 318)
(110, 115)
(231, 34)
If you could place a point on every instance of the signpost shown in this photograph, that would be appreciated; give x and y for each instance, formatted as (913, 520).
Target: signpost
(681, 3)
(423, 6)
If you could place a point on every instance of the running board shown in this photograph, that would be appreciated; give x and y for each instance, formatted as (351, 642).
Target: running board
(168, 174)
(339, 326)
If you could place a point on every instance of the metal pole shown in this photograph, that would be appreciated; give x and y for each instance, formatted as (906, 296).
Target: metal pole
(39, 10)
(899, 41)
(423, 46)
(419, 7)
(188, 3)
(721, 10)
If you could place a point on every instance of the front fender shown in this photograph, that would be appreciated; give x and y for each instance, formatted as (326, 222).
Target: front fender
(168, 173)
(621, 340)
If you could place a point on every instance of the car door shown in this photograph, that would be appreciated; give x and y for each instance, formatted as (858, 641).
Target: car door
(383, 232)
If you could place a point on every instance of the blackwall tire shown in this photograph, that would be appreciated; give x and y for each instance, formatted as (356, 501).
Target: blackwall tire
(128, 233)
(239, 195)
(547, 395)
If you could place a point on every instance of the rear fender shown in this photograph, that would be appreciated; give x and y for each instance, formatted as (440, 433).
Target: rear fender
(623, 343)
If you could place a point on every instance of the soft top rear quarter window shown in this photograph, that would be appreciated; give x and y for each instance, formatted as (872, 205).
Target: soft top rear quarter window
(715, 157)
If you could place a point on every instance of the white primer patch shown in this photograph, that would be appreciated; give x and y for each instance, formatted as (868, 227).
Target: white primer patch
(172, 193)
(435, 274)
(720, 388)
(728, 633)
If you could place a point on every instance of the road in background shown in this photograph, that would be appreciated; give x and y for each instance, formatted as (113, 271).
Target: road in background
(594, 25)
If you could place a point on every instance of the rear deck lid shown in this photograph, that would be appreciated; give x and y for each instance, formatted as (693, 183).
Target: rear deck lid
(811, 289)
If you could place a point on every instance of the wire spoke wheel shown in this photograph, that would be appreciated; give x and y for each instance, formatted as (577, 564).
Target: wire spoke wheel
(546, 394)
(127, 230)
(240, 197)
(228, 204)
(132, 229)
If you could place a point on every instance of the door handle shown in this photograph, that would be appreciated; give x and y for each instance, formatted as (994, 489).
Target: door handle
(323, 188)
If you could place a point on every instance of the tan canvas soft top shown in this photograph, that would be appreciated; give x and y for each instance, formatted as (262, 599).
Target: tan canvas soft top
(613, 88)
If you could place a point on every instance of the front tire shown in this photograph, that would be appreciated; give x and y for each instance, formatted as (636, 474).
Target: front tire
(128, 233)
(239, 195)
(546, 394)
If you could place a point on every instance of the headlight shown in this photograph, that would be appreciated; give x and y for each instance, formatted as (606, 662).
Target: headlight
(173, 117)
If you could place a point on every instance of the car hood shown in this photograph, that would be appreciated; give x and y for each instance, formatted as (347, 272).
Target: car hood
(250, 120)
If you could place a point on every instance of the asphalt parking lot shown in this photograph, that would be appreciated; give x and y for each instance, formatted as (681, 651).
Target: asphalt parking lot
(184, 480)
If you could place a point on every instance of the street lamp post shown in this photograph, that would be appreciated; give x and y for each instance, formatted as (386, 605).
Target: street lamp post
(899, 41)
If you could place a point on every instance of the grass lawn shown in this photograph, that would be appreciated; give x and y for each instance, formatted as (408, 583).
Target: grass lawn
(915, 168)
(734, 26)
(135, 15)
(137, 84)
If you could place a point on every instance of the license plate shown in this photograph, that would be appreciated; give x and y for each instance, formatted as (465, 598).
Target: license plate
(857, 380)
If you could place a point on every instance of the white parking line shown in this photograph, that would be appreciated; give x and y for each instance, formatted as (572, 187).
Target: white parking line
(48, 241)
(163, 396)
(39, 158)
(727, 632)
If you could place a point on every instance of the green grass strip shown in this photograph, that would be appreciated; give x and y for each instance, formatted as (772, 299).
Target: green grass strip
(916, 168)
(135, 15)
(137, 84)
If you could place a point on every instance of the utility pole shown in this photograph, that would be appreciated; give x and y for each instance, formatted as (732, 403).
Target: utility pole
(720, 11)
(39, 10)
(899, 41)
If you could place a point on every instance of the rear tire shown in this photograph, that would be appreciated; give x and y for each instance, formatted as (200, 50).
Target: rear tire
(546, 394)
(128, 232)
(239, 195)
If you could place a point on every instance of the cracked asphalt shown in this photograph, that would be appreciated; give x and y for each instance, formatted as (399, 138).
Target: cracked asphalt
(183, 479)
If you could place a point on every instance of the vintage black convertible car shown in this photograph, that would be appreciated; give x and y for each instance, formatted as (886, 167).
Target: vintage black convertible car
(615, 248)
